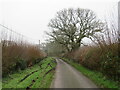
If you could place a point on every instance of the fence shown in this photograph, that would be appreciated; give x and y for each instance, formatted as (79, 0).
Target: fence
(8, 35)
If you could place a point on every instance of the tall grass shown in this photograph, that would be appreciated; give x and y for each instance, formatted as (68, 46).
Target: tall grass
(17, 52)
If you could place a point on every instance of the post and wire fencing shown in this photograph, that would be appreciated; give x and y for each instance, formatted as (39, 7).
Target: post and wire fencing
(18, 51)
(8, 35)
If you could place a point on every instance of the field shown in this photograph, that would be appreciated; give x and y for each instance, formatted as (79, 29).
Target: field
(38, 76)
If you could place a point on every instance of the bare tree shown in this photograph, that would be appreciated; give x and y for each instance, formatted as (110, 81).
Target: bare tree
(111, 31)
(70, 26)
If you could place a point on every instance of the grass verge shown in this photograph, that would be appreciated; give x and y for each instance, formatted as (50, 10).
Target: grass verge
(0, 85)
(98, 78)
(38, 79)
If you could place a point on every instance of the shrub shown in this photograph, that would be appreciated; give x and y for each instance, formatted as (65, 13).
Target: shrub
(91, 58)
(21, 64)
(110, 65)
(105, 59)
(17, 55)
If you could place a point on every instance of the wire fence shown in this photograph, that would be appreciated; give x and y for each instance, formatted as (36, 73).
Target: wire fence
(9, 35)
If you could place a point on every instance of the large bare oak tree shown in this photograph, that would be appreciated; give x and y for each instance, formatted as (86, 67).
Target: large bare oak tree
(70, 26)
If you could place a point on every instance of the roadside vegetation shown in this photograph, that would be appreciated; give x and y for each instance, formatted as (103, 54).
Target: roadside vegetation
(98, 78)
(71, 27)
(0, 84)
(102, 56)
(38, 76)
(18, 52)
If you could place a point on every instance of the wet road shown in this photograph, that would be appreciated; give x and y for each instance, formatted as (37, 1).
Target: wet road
(68, 77)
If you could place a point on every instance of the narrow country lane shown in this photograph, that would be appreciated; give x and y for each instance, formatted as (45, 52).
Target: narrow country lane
(68, 77)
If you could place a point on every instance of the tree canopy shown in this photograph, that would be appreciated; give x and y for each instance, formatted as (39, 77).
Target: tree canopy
(70, 26)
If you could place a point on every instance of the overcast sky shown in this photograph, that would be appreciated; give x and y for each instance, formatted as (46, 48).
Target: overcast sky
(31, 17)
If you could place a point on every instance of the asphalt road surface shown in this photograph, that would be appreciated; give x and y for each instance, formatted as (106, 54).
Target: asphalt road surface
(68, 77)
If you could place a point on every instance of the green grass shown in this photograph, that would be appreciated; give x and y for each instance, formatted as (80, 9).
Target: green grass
(98, 78)
(40, 82)
(0, 85)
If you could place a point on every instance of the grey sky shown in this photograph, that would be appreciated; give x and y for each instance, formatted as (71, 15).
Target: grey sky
(31, 17)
